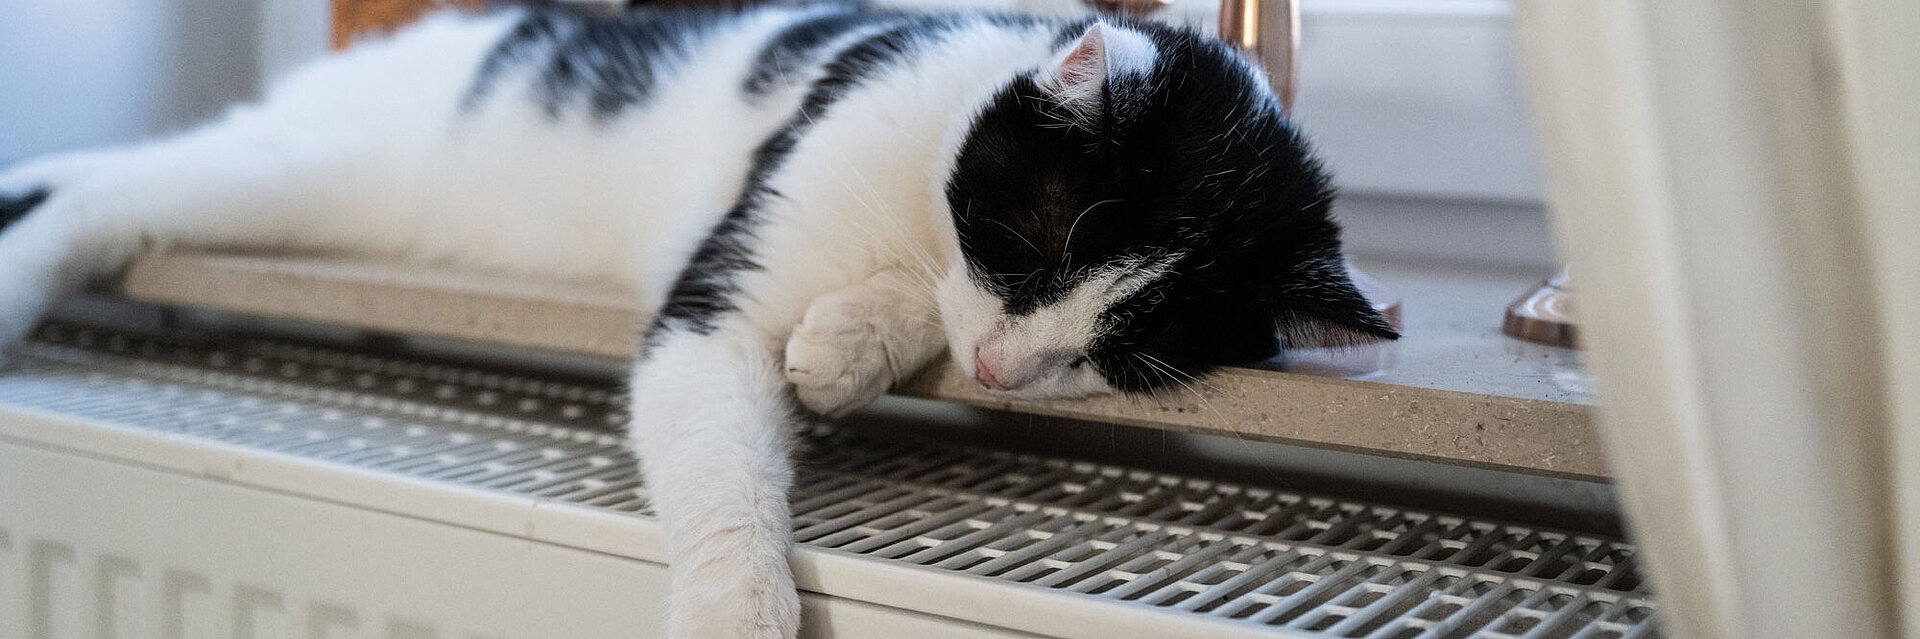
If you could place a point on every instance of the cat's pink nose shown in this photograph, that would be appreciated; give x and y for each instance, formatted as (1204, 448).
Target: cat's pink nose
(985, 373)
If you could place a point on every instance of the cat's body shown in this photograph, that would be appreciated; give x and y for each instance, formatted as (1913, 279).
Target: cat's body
(808, 199)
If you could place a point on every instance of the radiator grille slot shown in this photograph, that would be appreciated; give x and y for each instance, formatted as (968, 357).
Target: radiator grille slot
(1256, 556)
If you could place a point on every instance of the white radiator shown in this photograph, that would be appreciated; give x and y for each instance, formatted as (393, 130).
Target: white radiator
(215, 487)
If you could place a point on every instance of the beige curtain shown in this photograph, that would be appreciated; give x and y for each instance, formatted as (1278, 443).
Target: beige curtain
(1737, 186)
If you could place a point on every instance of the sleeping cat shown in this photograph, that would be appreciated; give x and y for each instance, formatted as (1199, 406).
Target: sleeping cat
(813, 203)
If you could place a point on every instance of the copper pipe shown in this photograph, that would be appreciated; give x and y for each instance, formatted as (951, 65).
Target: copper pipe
(1545, 314)
(1135, 8)
(1268, 31)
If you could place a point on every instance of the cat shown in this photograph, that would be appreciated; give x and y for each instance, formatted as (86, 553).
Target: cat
(812, 203)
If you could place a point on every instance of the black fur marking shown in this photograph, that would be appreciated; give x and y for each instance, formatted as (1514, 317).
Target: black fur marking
(1192, 162)
(705, 289)
(610, 62)
(535, 32)
(795, 48)
(16, 207)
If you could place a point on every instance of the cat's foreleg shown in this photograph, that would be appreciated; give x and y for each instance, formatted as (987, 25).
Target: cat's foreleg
(51, 240)
(857, 342)
(332, 157)
(246, 180)
(711, 426)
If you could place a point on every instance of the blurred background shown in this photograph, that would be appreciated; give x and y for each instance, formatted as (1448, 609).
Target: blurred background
(91, 72)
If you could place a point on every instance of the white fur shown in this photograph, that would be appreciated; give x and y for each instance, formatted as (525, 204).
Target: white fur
(1033, 351)
(856, 342)
(1129, 52)
(1077, 75)
(365, 154)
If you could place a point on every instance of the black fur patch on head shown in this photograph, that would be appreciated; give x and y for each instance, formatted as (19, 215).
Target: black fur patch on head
(610, 63)
(706, 287)
(12, 208)
(1192, 162)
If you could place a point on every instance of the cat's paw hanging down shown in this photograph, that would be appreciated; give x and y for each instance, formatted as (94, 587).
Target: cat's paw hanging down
(857, 342)
(711, 429)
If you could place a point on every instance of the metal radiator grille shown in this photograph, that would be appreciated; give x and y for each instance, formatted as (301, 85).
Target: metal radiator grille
(1261, 557)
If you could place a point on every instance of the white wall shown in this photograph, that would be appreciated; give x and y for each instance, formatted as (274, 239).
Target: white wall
(1416, 98)
(90, 72)
(1403, 98)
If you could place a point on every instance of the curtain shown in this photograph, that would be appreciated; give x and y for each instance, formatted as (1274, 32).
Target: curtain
(1735, 186)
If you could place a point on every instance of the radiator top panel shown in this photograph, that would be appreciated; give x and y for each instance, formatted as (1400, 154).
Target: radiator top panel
(1298, 564)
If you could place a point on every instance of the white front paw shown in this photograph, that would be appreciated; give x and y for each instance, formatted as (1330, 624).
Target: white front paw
(752, 615)
(745, 594)
(836, 360)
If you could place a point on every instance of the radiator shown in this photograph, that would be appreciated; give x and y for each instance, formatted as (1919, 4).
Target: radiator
(216, 486)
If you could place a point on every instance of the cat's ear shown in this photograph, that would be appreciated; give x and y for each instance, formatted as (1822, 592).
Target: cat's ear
(1320, 306)
(1078, 78)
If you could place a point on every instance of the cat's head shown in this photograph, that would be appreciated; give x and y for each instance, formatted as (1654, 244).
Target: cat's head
(1137, 212)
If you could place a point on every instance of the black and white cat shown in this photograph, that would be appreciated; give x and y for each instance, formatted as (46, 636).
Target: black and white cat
(813, 203)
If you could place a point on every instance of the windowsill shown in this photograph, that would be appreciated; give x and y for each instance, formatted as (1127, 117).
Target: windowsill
(1460, 394)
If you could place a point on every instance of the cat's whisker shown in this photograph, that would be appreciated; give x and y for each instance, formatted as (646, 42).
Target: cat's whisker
(922, 264)
(1175, 375)
(914, 250)
(1023, 238)
(929, 286)
(1064, 254)
(923, 284)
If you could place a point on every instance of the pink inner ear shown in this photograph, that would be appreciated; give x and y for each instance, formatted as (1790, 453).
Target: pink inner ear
(1085, 68)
